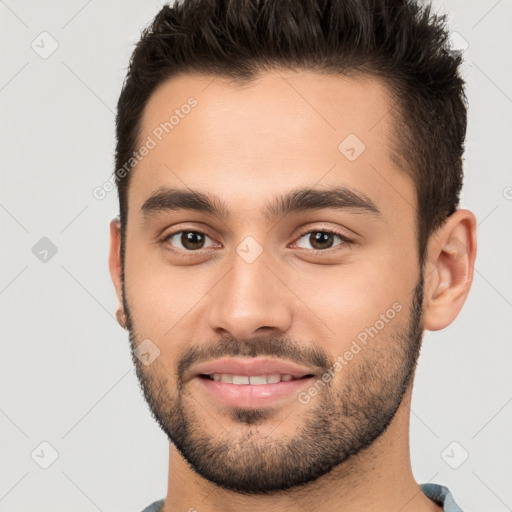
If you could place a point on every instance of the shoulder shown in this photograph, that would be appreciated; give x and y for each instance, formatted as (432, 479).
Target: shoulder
(155, 506)
(441, 495)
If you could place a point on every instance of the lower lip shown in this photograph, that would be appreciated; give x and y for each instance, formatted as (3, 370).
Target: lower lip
(248, 395)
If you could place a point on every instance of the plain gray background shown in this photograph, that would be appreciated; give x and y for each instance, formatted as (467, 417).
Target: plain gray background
(66, 373)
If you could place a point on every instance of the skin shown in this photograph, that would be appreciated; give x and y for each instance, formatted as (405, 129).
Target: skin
(247, 145)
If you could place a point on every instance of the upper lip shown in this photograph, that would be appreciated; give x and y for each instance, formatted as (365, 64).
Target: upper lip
(251, 367)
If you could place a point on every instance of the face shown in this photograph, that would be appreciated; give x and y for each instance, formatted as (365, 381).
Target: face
(271, 274)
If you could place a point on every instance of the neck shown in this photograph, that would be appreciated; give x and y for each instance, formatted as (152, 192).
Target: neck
(379, 478)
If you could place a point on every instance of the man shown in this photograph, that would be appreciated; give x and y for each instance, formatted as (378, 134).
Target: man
(289, 176)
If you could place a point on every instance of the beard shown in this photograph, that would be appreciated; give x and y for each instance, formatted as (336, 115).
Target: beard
(345, 417)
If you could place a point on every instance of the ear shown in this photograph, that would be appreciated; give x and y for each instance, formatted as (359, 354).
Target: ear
(114, 260)
(449, 270)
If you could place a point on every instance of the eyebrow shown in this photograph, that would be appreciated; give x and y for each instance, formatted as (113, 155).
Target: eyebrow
(166, 199)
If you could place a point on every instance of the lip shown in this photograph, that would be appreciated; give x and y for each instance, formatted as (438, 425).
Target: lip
(251, 396)
(248, 395)
(251, 367)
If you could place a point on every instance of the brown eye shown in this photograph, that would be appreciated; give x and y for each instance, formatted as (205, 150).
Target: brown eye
(189, 240)
(322, 240)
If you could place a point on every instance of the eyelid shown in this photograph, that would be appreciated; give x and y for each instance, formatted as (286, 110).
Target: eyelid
(164, 239)
(346, 241)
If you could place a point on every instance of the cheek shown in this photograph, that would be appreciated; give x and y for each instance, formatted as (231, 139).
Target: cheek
(161, 298)
(160, 308)
(363, 295)
(150, 296)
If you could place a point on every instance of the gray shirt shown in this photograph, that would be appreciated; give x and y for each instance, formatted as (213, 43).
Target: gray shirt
(437, 493)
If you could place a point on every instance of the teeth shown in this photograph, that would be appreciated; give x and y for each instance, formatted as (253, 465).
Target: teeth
(258, 379)
(240, 379)
(254, 379)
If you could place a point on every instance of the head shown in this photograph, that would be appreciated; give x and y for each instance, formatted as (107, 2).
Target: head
(264, 126)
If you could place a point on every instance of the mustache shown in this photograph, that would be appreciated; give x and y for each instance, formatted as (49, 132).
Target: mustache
(269, 346)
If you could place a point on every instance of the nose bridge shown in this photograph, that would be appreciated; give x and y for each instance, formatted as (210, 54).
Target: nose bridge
(250, 296)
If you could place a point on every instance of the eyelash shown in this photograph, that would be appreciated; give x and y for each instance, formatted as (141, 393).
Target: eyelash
(346, 241)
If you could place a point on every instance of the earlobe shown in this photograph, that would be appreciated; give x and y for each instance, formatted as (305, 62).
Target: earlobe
(452, 253)
(121, 317)
(115, 258)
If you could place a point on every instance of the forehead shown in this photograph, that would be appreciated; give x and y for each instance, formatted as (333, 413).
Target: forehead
(284, 130)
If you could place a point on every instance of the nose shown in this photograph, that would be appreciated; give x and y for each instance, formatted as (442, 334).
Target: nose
(251, 299)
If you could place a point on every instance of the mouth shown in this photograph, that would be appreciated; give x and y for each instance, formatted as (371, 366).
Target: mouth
(253, 380)
(259, 371)
(255, 391)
